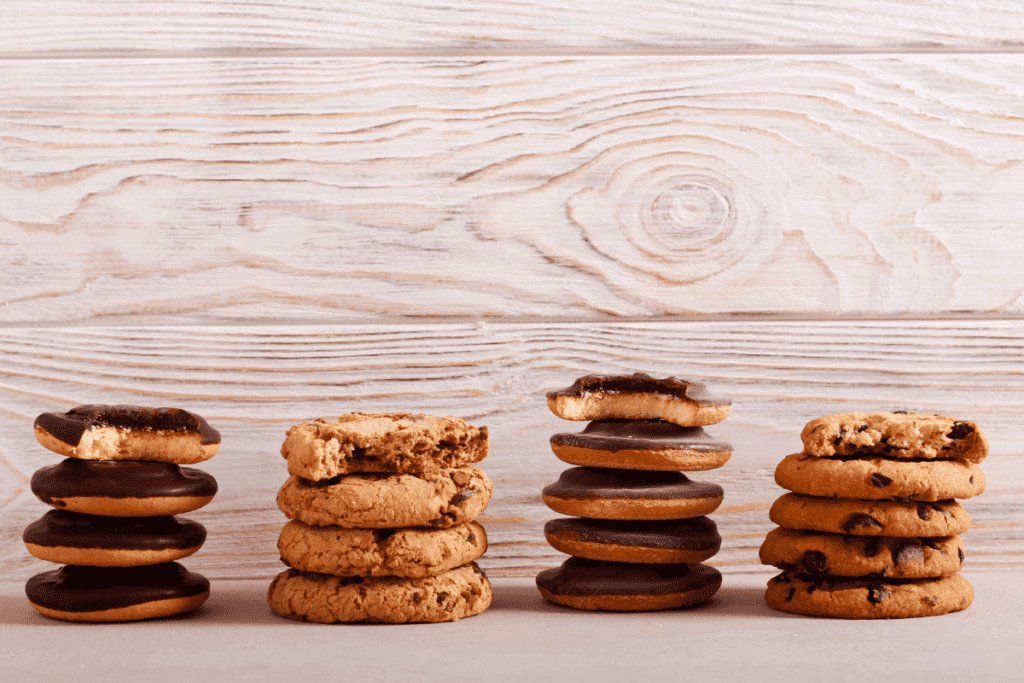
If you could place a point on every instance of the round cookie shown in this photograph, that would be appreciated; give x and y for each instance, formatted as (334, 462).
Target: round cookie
(379, 501)
(880, 478)
(870, 517)
(117, 594)
(449, 596)
(123, 488)
(395, 443)
(630, 494)
(898, 434)
(90, 540)
(868, 598)
(412, 552)
(659, 542)
(641, 445)
(100, 432)
(819, 553)
(685, 402)
(618, 586)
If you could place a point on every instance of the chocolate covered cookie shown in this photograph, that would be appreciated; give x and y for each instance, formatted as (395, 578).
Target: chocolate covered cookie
(630, 494)
(900, 435)
(122, 432)
(395, 443)
(595, 585)
(651, 542)
(685, 402)
(448, 596)
(123, 488)
(641, 445)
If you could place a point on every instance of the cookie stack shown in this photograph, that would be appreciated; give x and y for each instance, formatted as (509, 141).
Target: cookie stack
(871, 528)
(115, 495)
(638, 532)
(382, 509)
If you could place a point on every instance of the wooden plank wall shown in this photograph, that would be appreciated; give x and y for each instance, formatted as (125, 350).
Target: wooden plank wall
(273, 211)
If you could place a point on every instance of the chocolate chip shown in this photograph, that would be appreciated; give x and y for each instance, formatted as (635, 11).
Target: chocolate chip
(880, 480)
(932, 601)
(872, 547)
(863, 428)
(960, 552)
(417, 598)
(960, 430)
(471, 539)
(462, 496)
(931, 543)
(790, 593)
(839, 437)
(442, 599)
(907, 552)
(380, 535)
(860, 520)
(899, 412)
(924, 512)
(877, 593)
(815, 562)
(972, 481)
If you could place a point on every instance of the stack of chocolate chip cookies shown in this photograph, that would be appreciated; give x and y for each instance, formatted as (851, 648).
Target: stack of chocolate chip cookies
(382, 509)
(871, 528)
(115, 495)
(638, 532)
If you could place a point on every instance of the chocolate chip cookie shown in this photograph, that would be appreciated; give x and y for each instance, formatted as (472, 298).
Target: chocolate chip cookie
(913, 436)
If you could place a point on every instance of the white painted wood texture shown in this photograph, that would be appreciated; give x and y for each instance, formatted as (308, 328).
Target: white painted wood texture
(158, 190)
(254, 382)
(135, 27)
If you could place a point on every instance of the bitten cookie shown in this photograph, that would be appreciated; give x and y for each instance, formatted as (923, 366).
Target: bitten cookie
(817, 553)
(395, 443)
(594, 585)
(630, 494)
(379, 501)
(868, 598)
(411, 552)
(123, 488)
(880, 478)
(660, 542)
(912, 436)
(641, 445)
(449, 596)
(100, 432)
(76, 593)
(73, 538)
(870, 517)
(685, 402)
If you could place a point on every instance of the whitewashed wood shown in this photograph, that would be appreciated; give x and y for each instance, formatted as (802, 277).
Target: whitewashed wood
(253, 382)
(63, 27)
(336, 189)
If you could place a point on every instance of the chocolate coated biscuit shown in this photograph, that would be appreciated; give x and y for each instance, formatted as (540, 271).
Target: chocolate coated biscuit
(685, 402)
(880, 478)
(630, 494)
(818, 553)
(394, 443)
(123, 488)
(379, 501)
(412, 552)
(895, 435)
(870, 517)
(868, 598)
(117, 594)
(90, 540)
(658, 542)
(594, 585)
(101, 432)
(641, 445)
(451, 595)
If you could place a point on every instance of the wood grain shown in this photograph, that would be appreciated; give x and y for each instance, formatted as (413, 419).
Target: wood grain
(253, 382)
(136, 27)
(210, 190)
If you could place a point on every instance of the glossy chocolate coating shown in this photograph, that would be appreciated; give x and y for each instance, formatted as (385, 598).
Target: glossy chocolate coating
(73, 478)
(641, 383)
(60, 528)
(70, 426)
(639, 435)
(596, 482)
(696, 534)
(93, 589)
(584, 578)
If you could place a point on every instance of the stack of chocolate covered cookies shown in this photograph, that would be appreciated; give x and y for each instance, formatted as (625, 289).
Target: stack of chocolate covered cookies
(871, 528)
(116, 494)
(639, 531)
(382, 509)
